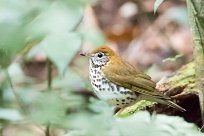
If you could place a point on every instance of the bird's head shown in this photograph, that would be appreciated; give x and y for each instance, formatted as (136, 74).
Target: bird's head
(100, 56)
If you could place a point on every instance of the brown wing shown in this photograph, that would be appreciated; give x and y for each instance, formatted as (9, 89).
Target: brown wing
(129, 77)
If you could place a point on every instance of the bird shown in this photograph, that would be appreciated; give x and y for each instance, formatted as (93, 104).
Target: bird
(120, 84)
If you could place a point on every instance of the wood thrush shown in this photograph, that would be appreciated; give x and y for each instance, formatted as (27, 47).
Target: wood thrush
(120, 84)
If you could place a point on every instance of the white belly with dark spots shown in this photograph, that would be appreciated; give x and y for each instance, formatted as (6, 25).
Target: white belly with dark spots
(109, 92)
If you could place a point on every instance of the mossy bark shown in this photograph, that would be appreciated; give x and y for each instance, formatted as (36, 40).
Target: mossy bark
(196, 19)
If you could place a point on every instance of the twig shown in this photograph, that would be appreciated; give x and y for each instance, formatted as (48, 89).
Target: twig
(49, 75)
(47, 131)
(1, 98)
(49, 87)
(17, 97)
(2, 131)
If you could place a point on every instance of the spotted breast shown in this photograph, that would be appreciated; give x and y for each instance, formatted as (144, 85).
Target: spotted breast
(106, 90)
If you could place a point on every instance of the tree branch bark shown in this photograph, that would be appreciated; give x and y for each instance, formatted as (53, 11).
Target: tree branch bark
(196, 19)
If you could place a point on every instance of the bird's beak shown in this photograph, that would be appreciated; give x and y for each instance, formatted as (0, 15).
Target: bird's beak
(85, 54)
(82, 54)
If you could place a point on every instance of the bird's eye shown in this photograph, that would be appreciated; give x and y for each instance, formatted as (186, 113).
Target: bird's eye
(100, 55)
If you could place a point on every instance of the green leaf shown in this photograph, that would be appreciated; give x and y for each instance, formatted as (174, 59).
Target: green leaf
(74, 133)
(157, 3)
(56, 19)
(51, 107)
(77, 2)
(75, 83)
(10, 114)
(143, 123)
(48, 107)
(35, 50)
(61, 48)
(12, 35)
(88, 123)
(93, 36)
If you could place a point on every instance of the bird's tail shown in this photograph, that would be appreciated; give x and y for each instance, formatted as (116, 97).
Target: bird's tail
(164, 101)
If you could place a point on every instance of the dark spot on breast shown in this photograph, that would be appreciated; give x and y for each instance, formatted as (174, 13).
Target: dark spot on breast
(128, 92)
(112, 87)
(98, 80)
(118, 87)
(103, 82)
(123, 100)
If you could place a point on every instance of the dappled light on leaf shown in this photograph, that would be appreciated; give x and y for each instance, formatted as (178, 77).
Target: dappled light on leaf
(57, 46)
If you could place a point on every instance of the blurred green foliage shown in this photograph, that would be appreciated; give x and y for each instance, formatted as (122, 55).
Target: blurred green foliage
(54, 27)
